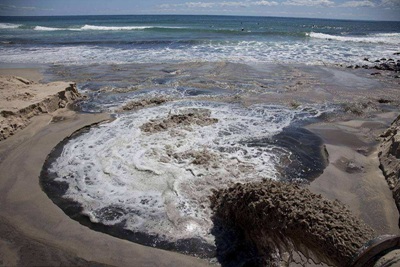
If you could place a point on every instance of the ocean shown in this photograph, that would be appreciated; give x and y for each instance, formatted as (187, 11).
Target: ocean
(78, 40)
(198, 103)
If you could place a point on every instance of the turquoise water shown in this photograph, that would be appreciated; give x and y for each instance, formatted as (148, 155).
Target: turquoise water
(131, 39)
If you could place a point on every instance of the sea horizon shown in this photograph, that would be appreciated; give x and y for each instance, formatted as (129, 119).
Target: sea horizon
(205, 15)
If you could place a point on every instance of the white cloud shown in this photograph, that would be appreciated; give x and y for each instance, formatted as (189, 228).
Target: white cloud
(309, 3)
(232, 4)
(364, 3)
(11, 7)
(219, 4)
(199, 5)
(265, 3)
(390, 3)
(188, 5)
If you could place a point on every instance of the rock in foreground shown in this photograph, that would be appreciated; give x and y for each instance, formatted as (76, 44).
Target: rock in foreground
(278, 218)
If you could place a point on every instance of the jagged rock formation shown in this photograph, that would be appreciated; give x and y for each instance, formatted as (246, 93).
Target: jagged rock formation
(23, 100)
(389, 157)
(277, 218)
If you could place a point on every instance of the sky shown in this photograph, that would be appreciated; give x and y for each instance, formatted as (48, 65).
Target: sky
(332, 9)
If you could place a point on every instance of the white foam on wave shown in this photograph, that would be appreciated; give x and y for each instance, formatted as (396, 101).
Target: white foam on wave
(313, 51)
(384, 38)
(119, 173)
(9, 26)
(42, 28)
(114, 28)
(102, 28)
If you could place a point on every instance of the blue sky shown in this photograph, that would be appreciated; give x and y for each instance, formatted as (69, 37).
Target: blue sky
(340, 9)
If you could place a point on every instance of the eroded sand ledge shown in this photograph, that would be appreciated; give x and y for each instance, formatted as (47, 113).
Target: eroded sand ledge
(389, 157)
(22, 99)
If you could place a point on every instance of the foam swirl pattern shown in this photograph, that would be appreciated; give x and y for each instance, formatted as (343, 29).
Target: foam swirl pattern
(159, 182)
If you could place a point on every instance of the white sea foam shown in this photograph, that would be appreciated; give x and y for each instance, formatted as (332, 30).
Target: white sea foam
(101, 28)
(42, 28)
(314, 51)
(114, 28)
(384, 38)
(9, 26)
(119, 173)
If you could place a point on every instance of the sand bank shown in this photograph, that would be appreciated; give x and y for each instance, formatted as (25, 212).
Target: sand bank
(353, 175)
(33, 230)
(21, 99)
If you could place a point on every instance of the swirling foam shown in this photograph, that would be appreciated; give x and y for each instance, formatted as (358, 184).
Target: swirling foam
(149, 181)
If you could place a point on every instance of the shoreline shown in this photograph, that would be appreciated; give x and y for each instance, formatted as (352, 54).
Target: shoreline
(28, 212)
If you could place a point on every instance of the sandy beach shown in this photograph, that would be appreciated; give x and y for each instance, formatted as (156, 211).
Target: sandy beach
(34, 231)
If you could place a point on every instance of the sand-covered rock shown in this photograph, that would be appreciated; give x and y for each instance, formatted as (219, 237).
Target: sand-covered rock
(389, 157)
(143, 103)
(278, 218)
(201, 117)
(21, 99)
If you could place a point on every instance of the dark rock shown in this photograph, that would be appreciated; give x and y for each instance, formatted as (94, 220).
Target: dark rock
(384, 101)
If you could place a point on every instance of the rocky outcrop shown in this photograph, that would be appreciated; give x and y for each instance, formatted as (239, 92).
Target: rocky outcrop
(278, 218)
(380, 64)
(389, 157)
(32, 101)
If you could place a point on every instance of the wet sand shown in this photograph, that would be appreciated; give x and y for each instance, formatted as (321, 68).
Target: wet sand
(353, 175)
(32, 74)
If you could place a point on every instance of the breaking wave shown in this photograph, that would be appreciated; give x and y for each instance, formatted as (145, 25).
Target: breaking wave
(9, 26)
(102, 28)
(382, 38)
